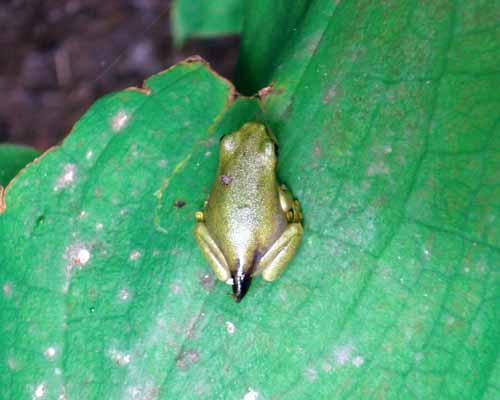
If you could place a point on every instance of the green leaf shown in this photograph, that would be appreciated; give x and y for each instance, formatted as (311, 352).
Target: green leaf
(12, 159)
(102, 283)
(387, 115)
(387, 118)
(205, 18)
(269, 27)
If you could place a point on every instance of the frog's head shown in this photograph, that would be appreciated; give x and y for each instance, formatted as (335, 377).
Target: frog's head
(252, 143)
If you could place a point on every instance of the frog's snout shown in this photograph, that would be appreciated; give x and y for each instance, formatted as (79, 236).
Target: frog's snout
(241, 283)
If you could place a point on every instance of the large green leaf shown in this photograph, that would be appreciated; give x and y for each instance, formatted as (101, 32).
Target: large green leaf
(102, 285)
(205, 18)
(387, 117)
(12, 159)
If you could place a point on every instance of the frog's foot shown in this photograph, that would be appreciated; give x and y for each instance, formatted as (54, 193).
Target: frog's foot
(275, 260)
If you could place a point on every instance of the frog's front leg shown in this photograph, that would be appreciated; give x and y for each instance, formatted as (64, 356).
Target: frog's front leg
(211, 251)
(275, 260)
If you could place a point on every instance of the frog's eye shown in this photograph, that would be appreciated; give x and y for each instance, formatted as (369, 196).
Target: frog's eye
(276, 149)
(222, 138)
(269, 149)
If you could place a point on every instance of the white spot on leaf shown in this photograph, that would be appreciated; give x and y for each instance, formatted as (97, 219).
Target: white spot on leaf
(39, 391)
(134, 255)
(124, 294)
(144, 391)
(83, 257)
(120, 358)
(343, 354)
(67, 178)
(78, 255)
(120, 120)
(62, 396)
(230, 328)
(251, 395)
(50, 352)
(358, 361)
(89, 154)
(134, 392)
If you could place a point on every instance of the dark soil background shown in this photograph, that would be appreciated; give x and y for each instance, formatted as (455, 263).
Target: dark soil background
(58, 56)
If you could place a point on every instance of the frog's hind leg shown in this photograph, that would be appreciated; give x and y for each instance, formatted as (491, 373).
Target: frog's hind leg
(212, 253)
(275, 260)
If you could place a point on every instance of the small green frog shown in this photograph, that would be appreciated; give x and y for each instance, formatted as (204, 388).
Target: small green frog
(251, 224)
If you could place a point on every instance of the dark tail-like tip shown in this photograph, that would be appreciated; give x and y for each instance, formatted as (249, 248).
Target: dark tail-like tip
(241, 283)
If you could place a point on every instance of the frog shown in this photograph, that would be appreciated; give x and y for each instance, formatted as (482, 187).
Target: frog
(250, 225)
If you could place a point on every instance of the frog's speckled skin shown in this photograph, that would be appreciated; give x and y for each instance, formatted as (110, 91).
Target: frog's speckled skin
(251, 224)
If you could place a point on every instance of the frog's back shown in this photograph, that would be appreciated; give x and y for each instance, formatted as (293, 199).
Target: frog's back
(246, 218)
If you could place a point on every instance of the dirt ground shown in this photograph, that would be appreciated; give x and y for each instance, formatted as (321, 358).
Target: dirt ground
(58, 56)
